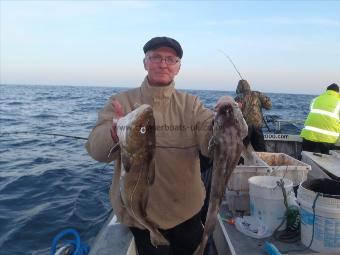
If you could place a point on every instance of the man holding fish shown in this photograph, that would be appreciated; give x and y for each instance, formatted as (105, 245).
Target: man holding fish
(157, 189)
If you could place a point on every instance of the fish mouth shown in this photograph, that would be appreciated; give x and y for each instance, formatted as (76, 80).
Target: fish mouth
(225, 109)
(224, 116)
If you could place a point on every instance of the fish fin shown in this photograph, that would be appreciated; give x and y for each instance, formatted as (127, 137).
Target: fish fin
(158, 239)
(151, 173)
(126, 162)
(143, 204)
(211, 147)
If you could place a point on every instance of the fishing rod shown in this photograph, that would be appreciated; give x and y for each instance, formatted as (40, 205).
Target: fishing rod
(265, 122)
(225, 54)
(42, 133)
(113, 149)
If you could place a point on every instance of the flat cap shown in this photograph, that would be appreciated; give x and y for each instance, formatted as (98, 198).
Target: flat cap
(164, 41)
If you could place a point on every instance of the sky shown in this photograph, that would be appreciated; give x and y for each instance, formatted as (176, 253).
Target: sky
(278, 46)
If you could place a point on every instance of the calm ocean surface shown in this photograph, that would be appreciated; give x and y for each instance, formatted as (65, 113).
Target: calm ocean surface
(49, 183)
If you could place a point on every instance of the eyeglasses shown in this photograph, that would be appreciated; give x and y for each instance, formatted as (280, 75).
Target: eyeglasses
(168, 60)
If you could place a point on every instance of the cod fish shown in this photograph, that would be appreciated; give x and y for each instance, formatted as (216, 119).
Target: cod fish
(225, 149)
(136, 133)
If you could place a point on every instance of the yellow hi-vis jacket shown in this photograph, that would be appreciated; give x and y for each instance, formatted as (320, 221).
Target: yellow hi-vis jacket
(322, 123)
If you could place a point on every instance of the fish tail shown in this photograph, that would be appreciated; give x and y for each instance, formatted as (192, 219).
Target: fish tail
(157, 238)
(200, 249)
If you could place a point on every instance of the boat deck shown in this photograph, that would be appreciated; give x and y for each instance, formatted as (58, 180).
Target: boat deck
(240, 244)
(323, 166)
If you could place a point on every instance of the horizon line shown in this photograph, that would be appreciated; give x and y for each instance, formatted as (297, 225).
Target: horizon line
(131, 87)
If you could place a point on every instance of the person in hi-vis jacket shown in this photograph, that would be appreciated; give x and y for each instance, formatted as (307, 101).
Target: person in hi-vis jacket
(322, 127)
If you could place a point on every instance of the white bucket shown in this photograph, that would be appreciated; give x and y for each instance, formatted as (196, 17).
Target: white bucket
(326, 236)
(266, 200)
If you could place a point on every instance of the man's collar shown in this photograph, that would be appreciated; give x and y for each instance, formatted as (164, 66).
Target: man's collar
(158, 91)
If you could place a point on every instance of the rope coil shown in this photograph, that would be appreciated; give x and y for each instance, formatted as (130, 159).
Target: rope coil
(79, 248)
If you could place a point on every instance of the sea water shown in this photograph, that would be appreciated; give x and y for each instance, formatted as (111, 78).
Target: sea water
(49, 183)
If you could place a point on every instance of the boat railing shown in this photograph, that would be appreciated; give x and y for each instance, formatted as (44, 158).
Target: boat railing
(289, 128)
(276, 125)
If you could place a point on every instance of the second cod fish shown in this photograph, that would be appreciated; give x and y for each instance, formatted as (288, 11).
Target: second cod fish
(225, 148)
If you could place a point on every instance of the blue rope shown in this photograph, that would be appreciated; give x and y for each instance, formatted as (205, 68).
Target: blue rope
(79, 248)
(271, 249)
(313, 207)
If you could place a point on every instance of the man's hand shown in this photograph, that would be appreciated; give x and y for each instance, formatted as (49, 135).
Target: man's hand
(118, 110)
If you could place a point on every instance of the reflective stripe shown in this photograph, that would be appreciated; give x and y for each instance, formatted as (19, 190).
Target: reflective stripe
(334, 114)
(330, 114)
(322, 131)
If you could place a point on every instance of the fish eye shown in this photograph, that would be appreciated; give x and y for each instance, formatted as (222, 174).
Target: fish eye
(142, 130)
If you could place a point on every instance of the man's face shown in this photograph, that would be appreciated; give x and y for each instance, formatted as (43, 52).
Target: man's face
(162, 73)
